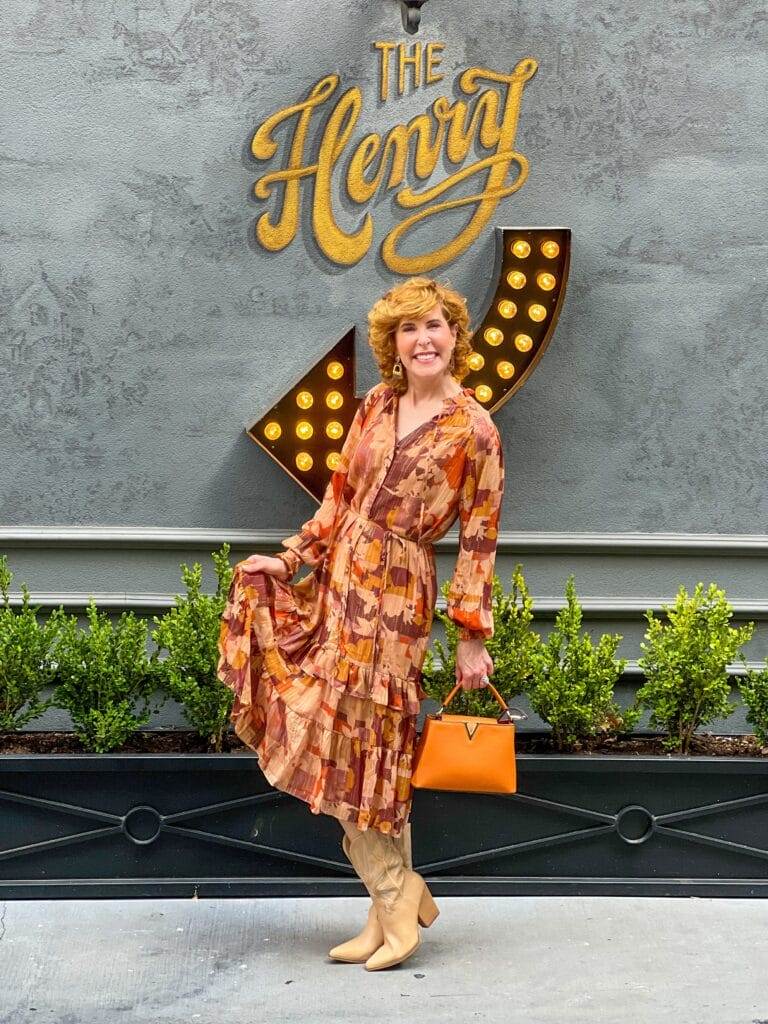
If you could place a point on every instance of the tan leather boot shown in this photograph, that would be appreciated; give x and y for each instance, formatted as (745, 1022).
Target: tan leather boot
(399, 894)
(358, 949)
(403, 843)
(399, 919)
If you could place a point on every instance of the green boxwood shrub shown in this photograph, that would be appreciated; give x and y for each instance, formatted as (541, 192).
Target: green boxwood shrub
(189, 634)
(573, 688)
(685, 663)
(105, 677)
(754, 692)
(26, 657)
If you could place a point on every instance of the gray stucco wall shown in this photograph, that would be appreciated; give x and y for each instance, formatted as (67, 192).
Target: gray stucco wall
(139, 328)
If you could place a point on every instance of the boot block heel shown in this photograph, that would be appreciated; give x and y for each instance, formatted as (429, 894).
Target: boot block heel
(428, 909)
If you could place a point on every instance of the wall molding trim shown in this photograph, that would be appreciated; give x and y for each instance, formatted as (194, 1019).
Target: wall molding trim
(545, 607)
(509, 542)
(515, 544)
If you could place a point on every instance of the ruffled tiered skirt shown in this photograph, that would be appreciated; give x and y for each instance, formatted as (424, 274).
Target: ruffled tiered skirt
(336, 733)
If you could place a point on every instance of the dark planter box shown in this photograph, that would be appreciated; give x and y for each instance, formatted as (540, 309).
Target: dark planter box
(146, 825)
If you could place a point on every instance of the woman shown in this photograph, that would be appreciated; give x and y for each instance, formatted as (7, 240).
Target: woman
(327, 671)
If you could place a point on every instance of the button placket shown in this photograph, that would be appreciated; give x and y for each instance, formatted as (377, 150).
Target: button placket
(382, 480)
(388, 539)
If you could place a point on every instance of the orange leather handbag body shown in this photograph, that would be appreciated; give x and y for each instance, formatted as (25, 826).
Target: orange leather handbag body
(467, 753)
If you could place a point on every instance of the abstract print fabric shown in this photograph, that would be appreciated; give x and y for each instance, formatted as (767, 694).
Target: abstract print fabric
(326, 672)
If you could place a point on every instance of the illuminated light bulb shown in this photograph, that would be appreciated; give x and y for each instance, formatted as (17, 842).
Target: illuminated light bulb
(304, 399)
(476, 361)
(332, 460)
(304, 430)
(546, 281)
(272, 430)
(505, 369)
(334, 370)
(550, 249)
(493, 336)
(303, 461)
(537, 312)
(516, 279)
(521, 248)
(483, 393)
(334, 399)
(507, 309)
(334, 429)
(523, 342)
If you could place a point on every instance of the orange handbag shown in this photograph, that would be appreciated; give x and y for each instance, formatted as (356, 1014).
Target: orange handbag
(467, 753)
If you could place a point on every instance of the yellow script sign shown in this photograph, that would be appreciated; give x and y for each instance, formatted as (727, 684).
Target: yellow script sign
(446, 129)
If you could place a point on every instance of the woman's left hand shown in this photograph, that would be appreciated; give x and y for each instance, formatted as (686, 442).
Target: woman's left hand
(472, 663)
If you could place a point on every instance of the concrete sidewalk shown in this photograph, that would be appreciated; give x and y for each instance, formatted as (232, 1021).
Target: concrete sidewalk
(537, 960)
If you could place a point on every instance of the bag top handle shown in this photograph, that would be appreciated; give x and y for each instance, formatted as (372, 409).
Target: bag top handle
(505, 710)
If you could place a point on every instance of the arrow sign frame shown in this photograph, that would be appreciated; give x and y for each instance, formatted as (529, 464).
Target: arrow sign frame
(530, 275)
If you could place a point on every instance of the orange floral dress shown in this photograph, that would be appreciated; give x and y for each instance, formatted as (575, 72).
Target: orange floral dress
(326, 672)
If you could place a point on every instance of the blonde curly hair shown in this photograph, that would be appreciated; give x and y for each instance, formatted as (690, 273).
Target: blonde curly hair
(414, 298)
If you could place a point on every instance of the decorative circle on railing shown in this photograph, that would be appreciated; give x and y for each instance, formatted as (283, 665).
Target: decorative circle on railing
(634, 824)
(142, 824)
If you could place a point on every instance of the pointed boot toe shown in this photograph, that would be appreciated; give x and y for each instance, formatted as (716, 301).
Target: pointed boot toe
(362, 946)
(388, 956)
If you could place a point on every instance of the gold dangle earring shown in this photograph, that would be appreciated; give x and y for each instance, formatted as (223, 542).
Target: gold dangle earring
(397, 369)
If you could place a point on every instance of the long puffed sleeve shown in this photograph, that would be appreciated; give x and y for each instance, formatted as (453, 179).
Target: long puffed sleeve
(310, 544)
(470, 593)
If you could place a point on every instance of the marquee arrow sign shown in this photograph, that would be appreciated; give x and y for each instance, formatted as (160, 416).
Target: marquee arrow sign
(305, 430)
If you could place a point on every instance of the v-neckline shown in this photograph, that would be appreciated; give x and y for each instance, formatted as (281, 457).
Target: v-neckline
(419, 426)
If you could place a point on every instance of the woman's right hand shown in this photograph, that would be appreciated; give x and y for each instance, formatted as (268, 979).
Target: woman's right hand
(265, 563)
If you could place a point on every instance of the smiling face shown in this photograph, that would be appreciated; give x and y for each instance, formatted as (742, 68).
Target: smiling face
(425, 344)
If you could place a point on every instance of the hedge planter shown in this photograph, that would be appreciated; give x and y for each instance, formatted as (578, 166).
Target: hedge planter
(184, 825)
